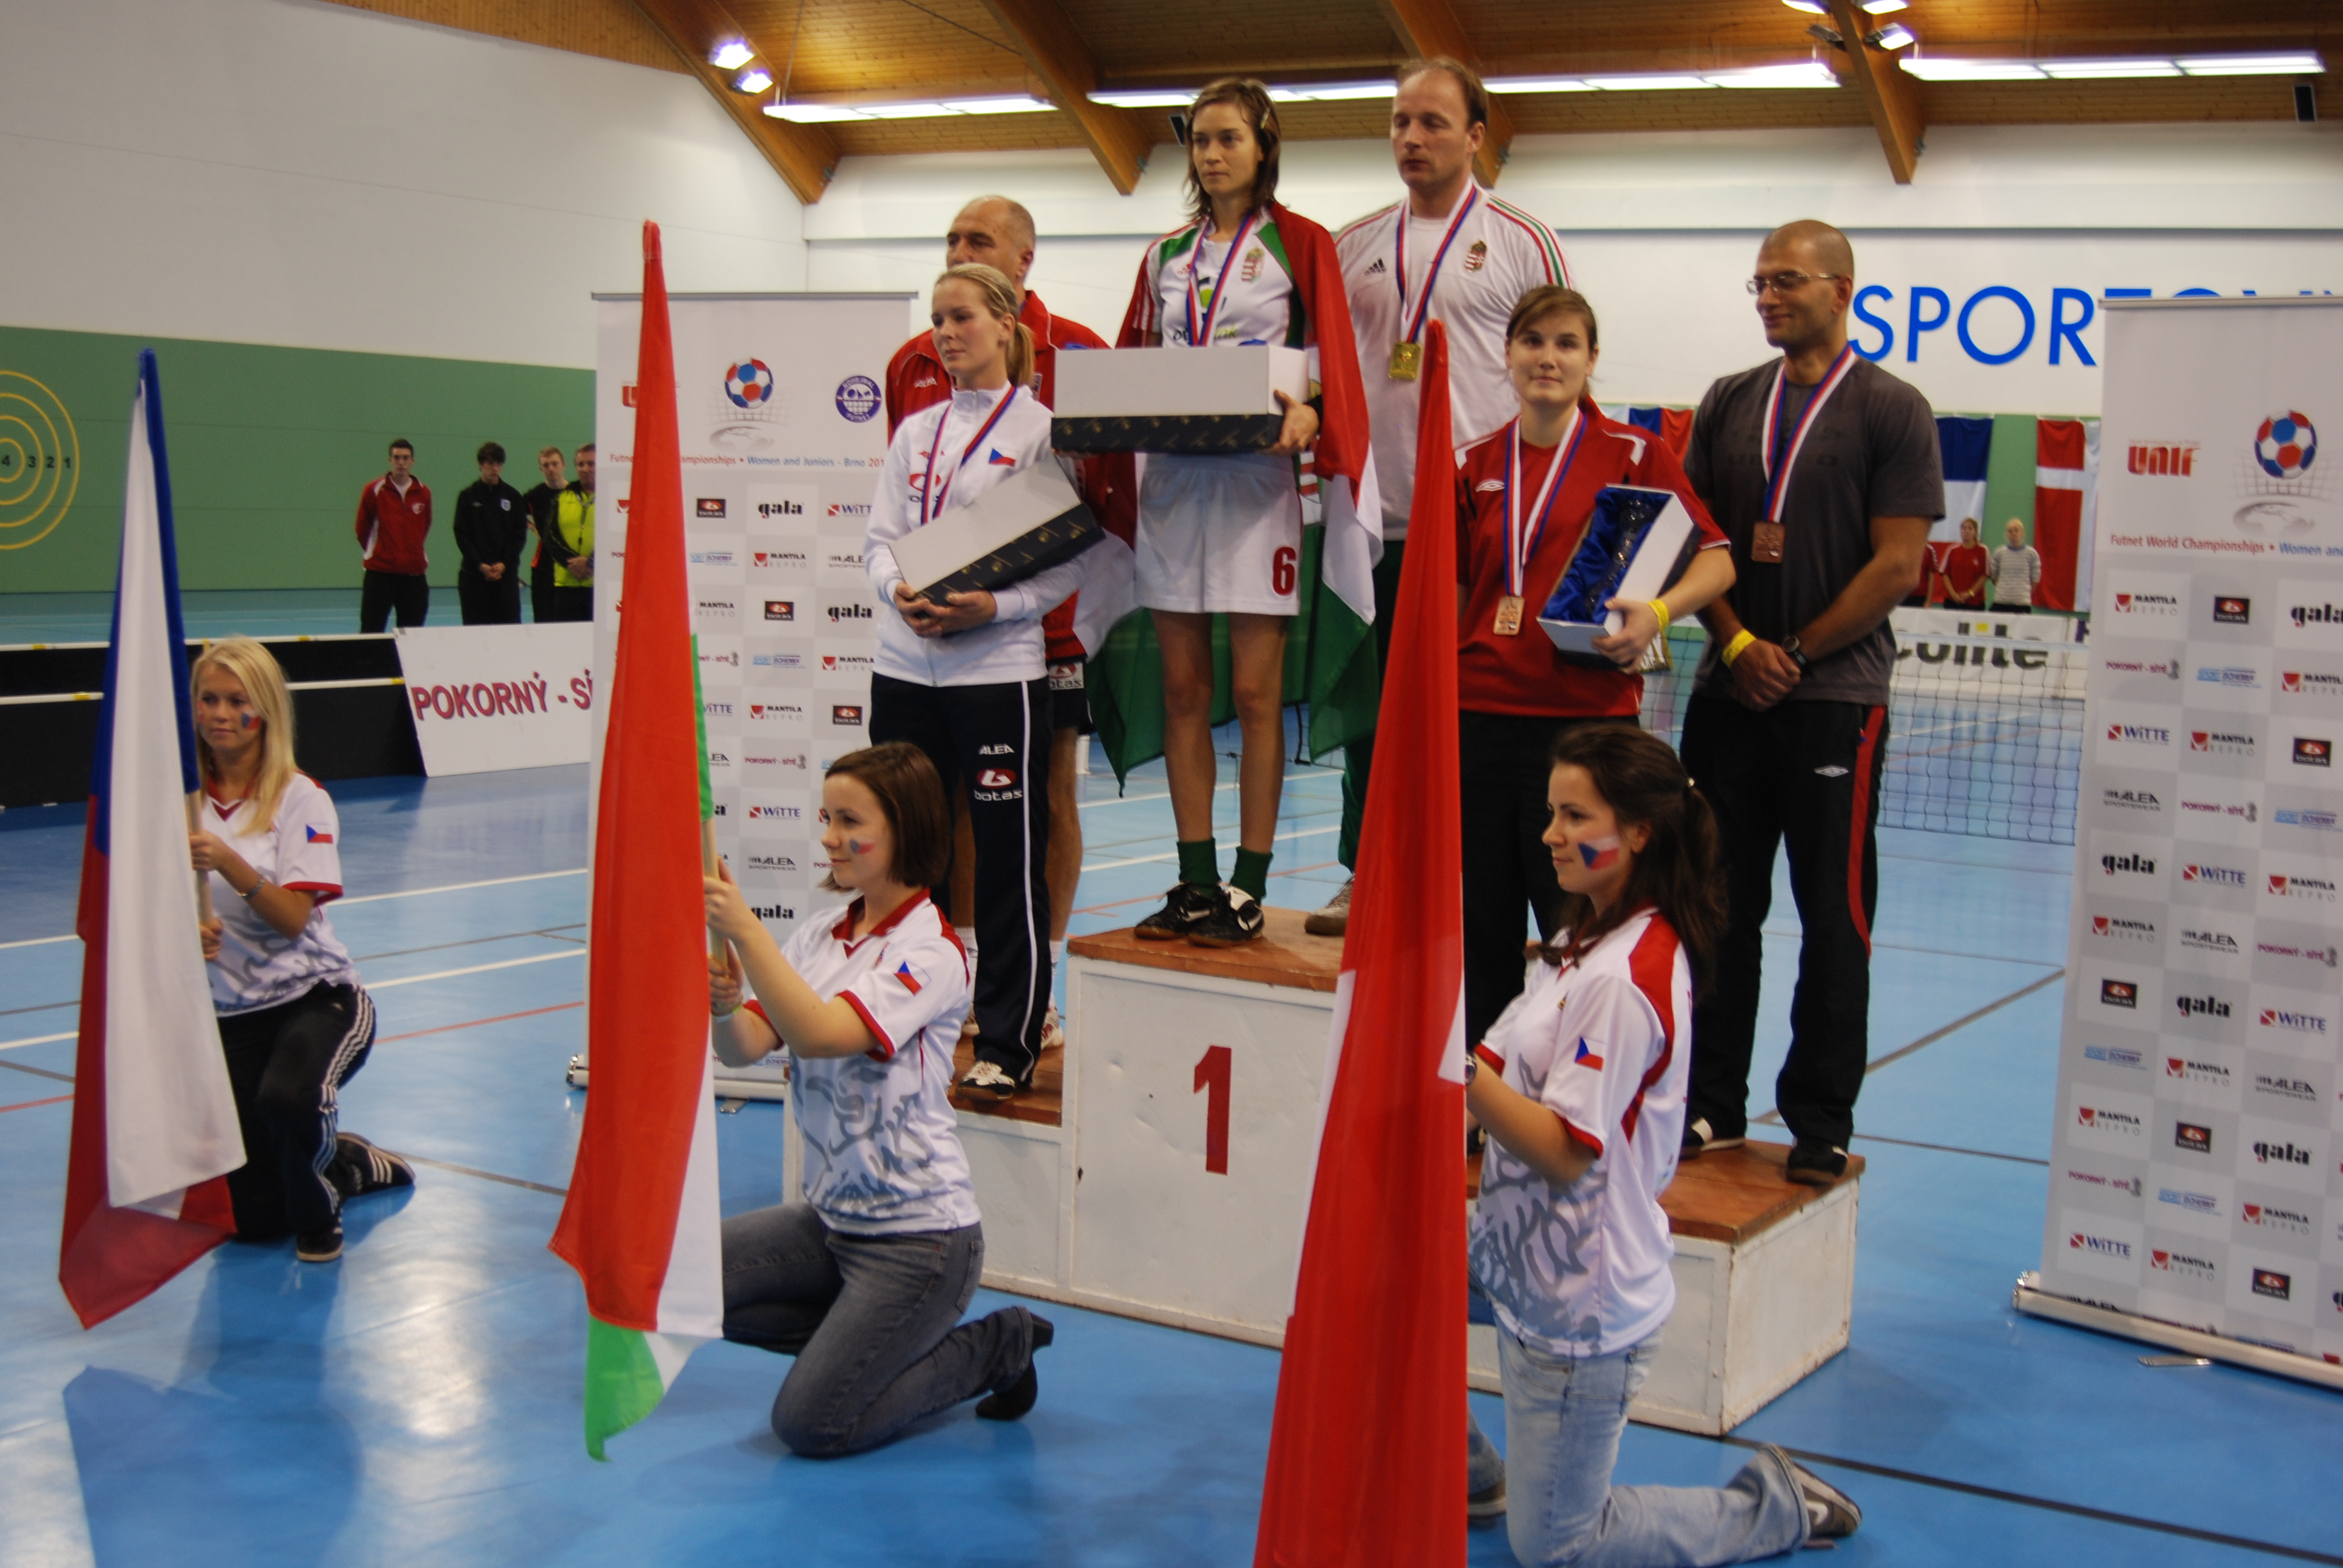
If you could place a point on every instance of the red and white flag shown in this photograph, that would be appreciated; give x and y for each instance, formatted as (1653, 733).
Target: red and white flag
(641, 1223)
(153, 1120)
(2065, 481)
(1366, 1460)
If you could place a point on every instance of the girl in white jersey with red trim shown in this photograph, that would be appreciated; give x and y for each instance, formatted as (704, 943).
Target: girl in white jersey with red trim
(966, 680)
(1580, 1086)
(294, 1021)
(864, 1280)
(1221, 534)
(1524, 494)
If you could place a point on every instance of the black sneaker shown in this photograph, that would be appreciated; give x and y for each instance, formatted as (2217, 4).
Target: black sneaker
(1831, 1514)
(1011, 1402)
(1815, 1164)
(360, 1167)
(1185, 908)
(1699, 1137)
(1236, 919)
(322, 1245)
(1489, 1503)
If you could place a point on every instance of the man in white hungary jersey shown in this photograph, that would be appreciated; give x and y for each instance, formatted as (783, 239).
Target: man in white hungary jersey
(1451, 253)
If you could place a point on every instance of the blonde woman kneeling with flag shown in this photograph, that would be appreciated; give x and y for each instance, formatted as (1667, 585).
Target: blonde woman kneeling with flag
(864, 1282)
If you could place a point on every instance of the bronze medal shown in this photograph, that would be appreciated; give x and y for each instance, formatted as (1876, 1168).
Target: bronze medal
(1765, 544)
(1406, 361)
(1509, 616)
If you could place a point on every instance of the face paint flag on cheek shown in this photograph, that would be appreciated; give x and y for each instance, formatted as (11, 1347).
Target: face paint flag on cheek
(1600, 854)
(857, 848)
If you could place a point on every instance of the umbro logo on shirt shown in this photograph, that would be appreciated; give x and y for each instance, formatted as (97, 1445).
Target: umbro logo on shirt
(1487, 485)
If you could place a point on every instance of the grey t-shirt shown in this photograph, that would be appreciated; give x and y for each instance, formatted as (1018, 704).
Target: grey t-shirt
(1872, 453)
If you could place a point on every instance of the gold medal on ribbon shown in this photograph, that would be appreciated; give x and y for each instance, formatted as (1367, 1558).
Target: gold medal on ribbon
(1509, 616)
(1765, 543)
(1406, 361)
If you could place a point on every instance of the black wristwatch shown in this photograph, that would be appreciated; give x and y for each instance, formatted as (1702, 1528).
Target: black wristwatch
(1471, 1068)
(1789, 645)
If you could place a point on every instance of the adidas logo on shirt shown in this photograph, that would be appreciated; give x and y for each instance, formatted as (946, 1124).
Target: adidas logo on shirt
(1376, 268)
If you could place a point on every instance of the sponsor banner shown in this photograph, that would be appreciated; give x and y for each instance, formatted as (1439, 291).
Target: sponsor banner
(2197, 1150)
(2013, 656)
(779, 419)
(488, 697)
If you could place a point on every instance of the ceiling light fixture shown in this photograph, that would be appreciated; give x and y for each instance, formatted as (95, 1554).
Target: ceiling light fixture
(1146, 98)
(2092, 70)
(924, 109)
(731, 55)
(1811, 7)
(1330, 92)
(1959, 68)
(2303, 65)
(1894, 36)
(1538, 84)
(1885, 7)
(1802, 74)
(1805, 73)
(754, 79)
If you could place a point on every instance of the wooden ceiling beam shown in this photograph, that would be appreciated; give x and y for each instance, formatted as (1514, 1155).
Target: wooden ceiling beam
(1119, 139)
(1893, 98)
(1427, 27)
(803, 155)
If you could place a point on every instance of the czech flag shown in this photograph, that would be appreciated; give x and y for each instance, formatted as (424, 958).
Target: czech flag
(154, 1122)
(1001, 459)
(640, 1224)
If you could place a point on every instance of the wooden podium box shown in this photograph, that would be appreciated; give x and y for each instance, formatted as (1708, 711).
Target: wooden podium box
(1159, 1171)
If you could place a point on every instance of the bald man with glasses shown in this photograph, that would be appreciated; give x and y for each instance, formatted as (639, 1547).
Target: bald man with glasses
(1824, 471)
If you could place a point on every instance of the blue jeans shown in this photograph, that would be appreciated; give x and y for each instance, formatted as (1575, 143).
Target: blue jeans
(871, 1321)
(1563, 1421)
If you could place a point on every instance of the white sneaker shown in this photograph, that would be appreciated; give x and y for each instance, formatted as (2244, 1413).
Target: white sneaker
(1053, 1033)
(989, 1078)
(1335, 918)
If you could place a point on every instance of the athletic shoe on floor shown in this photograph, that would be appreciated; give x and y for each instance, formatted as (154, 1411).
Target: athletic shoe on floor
(1011, 1402)
(1053, 1032)
(1815, 1164)
(1236, 919)
(1699, 1139)
(360, 1167)
(1335, 918)
(322, 1245)
(1489, 1503)
(1831, 1514)
(1185, 908)
(989, 1078)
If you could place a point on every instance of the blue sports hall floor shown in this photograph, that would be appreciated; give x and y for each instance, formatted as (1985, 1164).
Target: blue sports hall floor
(418, 1401)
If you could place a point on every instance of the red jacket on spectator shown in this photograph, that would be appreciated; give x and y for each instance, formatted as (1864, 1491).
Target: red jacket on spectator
(391, 526)
(917, 379)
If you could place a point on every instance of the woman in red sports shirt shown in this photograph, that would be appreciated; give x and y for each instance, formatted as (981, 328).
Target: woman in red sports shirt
(1523, 496)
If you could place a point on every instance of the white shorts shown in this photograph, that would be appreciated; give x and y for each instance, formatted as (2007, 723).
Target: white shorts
(1218, 534)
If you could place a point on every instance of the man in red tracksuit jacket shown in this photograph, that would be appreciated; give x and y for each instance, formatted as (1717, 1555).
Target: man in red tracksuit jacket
(394, 514)
(999, 233)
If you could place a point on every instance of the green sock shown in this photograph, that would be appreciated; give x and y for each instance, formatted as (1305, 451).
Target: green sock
(1199, 862)
(1252, 873)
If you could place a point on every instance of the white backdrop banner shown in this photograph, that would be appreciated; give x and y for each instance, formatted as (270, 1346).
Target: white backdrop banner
(784, 435)
(493, 696)
(2194, 1177)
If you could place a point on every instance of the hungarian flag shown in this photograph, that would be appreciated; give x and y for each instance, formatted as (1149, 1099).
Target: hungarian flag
(2066, 474)
(154, 1122)
(1366, 1461)
(641, 1222)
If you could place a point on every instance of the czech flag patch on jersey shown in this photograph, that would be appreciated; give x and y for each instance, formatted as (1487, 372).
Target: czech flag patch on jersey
(1001, 459)
(911, 981)
(317, 838)
(1586, 1058)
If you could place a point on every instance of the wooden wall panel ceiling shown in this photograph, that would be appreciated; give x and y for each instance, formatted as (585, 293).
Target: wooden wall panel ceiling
(860, 47)
(609, 29)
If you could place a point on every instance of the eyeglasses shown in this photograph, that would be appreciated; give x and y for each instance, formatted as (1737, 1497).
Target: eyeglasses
(1790, 282)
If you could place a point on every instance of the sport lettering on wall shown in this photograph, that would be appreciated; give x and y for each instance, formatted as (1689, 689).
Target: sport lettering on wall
(2204, 1041)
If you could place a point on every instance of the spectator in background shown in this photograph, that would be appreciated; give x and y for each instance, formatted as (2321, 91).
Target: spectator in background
(394, 515)
(571, 544)
(491, 526)
(540, 518)
(1967, 566)
(2016, 572)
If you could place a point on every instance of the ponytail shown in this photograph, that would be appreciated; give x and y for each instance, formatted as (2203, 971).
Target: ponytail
(1678, 870)
(1020, 356)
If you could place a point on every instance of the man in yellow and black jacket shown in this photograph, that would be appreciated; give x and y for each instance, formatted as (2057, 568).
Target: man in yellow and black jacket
(571, 543)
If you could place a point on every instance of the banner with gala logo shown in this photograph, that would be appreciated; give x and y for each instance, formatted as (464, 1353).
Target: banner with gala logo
(2196, 1171)
(493, 696)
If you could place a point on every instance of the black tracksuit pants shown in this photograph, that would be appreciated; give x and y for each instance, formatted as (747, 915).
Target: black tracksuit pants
(409, 593)
(1507, 759)
(487, 603)
(1804, 775)
(992, 744)
(286, 1065)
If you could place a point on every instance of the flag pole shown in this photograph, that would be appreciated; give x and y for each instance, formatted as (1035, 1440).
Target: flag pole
(203, 878)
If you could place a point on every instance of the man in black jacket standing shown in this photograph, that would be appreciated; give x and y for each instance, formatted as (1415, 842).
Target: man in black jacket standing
(491, 526)
(542, 504)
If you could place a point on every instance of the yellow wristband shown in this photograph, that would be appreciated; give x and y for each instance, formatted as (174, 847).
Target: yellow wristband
(1732, 650)
(1660, 609)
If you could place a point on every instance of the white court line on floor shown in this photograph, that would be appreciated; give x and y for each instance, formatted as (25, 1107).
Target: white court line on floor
(476, 969)
(1166, 795)
(36, 1040)
(1151, 860)
(39, 941)
(453, 888)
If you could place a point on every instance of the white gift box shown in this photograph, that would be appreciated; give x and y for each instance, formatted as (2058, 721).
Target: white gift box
(1175, 399)
(1026, 524)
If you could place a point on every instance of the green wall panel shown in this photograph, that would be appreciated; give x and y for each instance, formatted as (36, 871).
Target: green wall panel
(2009, 478)
(269, 447)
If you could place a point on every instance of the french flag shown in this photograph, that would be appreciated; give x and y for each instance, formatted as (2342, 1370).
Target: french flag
(154, 1122)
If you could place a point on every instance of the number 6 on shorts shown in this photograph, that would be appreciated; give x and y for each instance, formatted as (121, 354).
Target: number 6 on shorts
(1284, 569)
